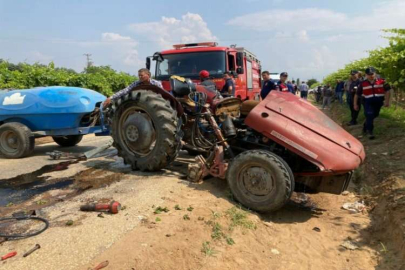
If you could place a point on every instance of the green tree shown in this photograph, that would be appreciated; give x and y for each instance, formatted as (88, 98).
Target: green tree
(311, 82)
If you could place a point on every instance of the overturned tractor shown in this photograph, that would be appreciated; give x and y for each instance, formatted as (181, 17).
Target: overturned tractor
(265, 149)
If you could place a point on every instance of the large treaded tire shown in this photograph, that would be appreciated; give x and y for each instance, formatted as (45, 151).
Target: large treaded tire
(166, 125)
(279, 179)
(67, 141)
(24, 141)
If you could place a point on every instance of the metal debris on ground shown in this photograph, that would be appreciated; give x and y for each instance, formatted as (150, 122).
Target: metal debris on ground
(21, 217)
(302, 198)
(355, 207)
(37, 246)
(349, 245)
(56, 155)
(316, 229)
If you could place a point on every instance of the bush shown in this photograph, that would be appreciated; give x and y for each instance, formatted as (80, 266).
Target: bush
(102, 79)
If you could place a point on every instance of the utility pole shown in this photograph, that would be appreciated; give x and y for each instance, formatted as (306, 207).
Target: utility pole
(88, 57)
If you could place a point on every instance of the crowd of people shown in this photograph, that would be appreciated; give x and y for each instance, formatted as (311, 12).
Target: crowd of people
(360, 89)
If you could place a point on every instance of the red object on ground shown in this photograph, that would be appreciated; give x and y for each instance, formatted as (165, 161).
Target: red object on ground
(113, 207)
(101, 265)
(8, 256)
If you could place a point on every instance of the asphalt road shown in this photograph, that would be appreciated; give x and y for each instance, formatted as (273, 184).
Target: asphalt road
(13, 167)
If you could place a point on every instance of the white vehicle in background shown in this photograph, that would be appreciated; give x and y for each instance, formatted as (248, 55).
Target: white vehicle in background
(275, 77)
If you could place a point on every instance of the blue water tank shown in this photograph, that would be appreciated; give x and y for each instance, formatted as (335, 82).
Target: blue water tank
(47, 108)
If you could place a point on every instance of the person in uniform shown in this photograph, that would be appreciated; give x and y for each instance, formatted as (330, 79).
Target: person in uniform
(352, 86)
(229, 87)
(268, 85)
(282, 84)
(375, 93)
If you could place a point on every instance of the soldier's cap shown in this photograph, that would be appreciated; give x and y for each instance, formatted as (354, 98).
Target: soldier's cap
(283, 74)
(354, 72)
(370, 70)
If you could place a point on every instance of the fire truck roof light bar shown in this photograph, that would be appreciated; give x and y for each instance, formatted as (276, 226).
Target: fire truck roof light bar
(201, 44)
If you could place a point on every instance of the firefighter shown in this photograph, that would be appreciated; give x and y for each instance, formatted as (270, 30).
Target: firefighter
(229, 87)
(206, 80)
(352, 86)
(282, 84)
(268, 85)
(375, 93)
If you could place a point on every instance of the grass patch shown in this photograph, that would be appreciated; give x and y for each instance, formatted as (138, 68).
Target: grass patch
(383, 248)
(229, 240)
(215, 215)
(190, 208)
(159, 210)
(69, 223)
(207, 249)
(177, 207)
(41, 202)
(396, 114)
(186, 217)
(217, 233)
(239, 219)
(158, 219)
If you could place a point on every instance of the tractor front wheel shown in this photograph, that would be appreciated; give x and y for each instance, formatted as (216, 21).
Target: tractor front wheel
(260, 180)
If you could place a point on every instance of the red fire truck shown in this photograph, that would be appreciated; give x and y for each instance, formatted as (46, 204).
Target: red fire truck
(187, 60)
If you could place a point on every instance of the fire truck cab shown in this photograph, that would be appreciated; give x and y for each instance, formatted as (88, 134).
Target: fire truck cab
(187, 60)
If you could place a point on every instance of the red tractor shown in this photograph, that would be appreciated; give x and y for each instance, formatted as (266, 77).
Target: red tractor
(187, 60)
(265, 149)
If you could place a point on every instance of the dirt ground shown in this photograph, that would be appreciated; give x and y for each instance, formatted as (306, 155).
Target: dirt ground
(170, 223)
(381, 184)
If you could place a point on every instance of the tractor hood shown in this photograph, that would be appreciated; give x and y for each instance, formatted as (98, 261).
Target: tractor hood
(302, 128)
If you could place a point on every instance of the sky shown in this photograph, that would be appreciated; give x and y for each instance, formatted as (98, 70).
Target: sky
(306, 38)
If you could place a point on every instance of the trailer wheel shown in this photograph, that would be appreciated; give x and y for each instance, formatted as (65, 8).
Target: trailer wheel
(146, 130)
(260, 180)
(67, 141)
(16, 140)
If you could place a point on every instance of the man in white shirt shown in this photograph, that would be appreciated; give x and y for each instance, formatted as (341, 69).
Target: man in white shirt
(304, 90)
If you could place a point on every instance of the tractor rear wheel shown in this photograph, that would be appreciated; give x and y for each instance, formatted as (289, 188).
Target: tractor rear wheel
(67, 141)
(146, 130)
(16, 140)
(260, 180)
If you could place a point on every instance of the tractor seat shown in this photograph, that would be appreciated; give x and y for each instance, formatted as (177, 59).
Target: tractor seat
(247, 106)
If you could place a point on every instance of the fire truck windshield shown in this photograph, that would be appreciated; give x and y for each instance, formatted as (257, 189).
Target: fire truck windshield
(190, 64)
